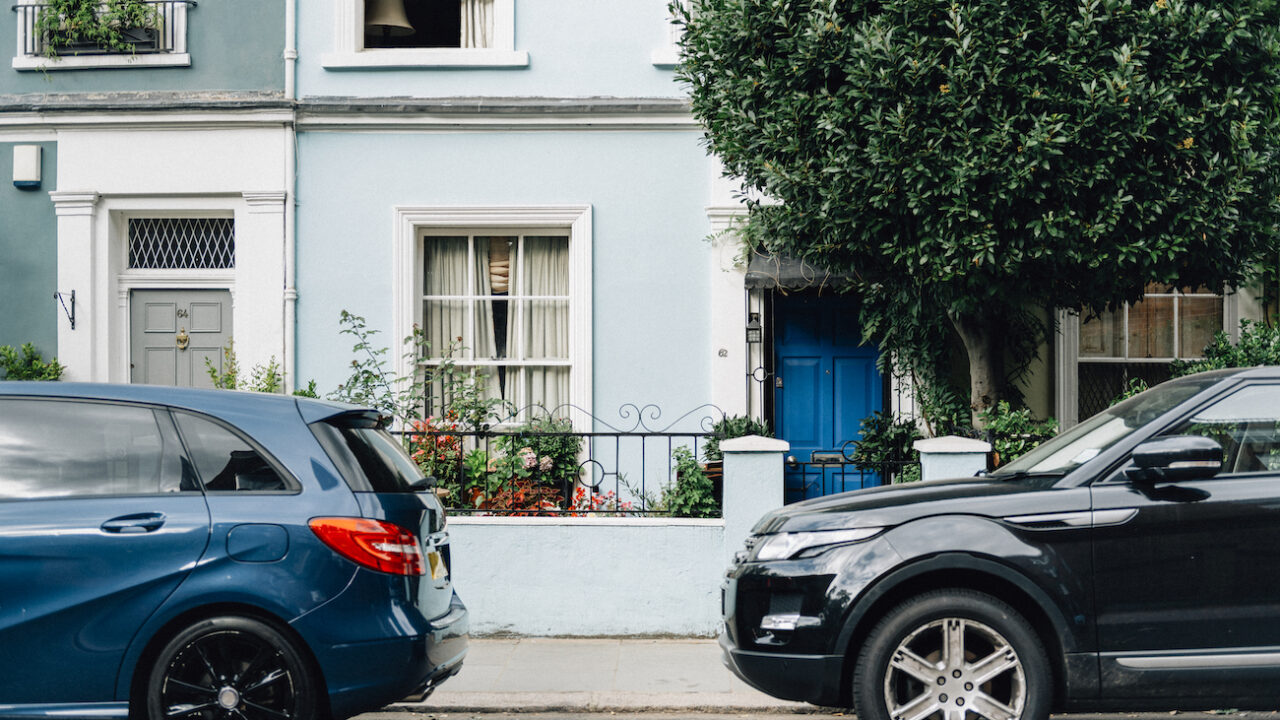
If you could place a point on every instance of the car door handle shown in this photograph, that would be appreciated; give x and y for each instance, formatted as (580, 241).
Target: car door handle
(134, 524)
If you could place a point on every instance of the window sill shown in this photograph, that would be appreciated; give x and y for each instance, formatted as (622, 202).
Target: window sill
(666, 57)
(85, 62)
(425, 58)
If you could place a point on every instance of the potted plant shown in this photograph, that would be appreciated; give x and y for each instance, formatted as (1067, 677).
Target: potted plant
(97, 26)
(730, 426)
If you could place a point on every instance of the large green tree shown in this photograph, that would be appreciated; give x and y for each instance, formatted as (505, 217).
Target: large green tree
(974, 162)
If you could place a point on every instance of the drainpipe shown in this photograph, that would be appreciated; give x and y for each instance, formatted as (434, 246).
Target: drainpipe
(290, 204)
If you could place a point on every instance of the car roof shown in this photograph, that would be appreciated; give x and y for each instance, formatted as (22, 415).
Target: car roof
(213, 402)
(1259, 371)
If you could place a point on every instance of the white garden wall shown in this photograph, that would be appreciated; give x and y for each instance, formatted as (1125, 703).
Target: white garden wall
(589, 576)
(600, 576)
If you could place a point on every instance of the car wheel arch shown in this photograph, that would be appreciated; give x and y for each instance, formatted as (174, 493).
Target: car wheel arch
(958, 571)
(137, 674)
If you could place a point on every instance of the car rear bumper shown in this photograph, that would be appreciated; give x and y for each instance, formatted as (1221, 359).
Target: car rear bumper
(370, 657)
(806, 678)
(446, 647)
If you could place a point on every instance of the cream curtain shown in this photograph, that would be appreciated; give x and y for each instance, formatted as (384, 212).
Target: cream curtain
(444, 321)
(485, 348)
(446, 274)
(543, 324)
(477, 23)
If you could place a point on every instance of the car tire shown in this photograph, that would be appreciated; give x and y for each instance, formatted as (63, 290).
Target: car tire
(949, 654)
(236, 668)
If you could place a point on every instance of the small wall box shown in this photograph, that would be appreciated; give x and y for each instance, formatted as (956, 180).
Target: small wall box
(26, 167)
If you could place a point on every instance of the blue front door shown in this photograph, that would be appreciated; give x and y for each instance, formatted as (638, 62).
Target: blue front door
(826, 382)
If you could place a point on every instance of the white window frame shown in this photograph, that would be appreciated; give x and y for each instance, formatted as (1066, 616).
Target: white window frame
(412, 224)
(1067, 358)
(668, 55)
(178, 57)
(350, 53)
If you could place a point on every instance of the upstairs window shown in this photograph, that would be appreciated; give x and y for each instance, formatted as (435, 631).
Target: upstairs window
(80, 34)
(428, 23)
(441, 33)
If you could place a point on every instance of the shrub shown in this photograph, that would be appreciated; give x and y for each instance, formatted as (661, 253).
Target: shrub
(692, 494)
(543, 450)
(886, 439)
(1259, 345)
(267, 378)
(27, 364)
(731, 427)
(1014, 433)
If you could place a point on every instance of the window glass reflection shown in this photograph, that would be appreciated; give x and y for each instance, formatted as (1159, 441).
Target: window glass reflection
(61, 448)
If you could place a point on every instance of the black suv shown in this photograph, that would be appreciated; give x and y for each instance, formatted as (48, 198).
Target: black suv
(1133, 562)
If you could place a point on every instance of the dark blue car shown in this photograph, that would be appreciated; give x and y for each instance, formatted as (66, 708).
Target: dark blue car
(200, 555)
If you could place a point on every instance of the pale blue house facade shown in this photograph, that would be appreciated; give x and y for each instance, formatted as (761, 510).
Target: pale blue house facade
(520, 179)
(562, 129)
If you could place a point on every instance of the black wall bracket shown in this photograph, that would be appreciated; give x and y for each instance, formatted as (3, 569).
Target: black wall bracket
(62, 299)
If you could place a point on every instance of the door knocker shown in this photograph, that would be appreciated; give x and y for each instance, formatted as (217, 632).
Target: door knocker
(183, 339)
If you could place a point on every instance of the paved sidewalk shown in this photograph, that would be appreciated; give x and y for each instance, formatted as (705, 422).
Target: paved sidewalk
(597, 675)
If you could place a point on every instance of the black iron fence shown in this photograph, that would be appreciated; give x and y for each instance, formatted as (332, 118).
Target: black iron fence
(157, 34)
(805, 480)
(545, 468)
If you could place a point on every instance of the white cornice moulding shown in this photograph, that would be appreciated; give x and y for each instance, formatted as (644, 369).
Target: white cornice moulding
(47, 121)
(723, 217)
(365, 122)
(266, 202)
(74, 203)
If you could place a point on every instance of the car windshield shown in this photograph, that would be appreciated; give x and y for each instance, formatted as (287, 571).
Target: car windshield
(1087, 440)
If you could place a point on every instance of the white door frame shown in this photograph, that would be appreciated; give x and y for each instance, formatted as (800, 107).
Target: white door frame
(93, 260)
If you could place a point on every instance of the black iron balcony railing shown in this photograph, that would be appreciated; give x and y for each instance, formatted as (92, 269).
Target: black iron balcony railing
(161, 34)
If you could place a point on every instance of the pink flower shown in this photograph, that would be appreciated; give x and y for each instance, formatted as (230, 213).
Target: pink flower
(528, 458)
(546, 463)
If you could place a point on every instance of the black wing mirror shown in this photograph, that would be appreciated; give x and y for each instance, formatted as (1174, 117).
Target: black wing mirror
(1175, 459)
(427, 483)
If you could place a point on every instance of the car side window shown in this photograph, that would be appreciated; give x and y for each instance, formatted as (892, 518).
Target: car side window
(71, 448)
(224, 460)
(1246, 424)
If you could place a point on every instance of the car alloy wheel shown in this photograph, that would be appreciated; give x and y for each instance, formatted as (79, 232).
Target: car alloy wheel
(952, 655)
(230, 668)
(965, 667)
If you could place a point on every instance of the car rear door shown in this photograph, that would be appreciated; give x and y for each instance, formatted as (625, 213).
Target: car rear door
(99, 523)
(382, 477)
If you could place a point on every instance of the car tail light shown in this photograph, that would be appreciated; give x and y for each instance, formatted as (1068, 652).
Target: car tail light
(371, 543)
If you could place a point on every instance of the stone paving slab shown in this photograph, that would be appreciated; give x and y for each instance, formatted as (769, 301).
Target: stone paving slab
(596, 675)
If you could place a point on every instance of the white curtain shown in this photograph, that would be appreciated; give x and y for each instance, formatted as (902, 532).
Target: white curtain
(484, 347)
(444, 321)
(446, 274)
(477, 23)
(543, 324)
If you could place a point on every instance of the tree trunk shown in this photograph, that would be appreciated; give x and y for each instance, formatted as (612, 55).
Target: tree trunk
(981, 339)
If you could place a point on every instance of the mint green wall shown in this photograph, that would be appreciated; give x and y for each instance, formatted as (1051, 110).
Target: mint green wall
(235, 45)
(28, 246)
